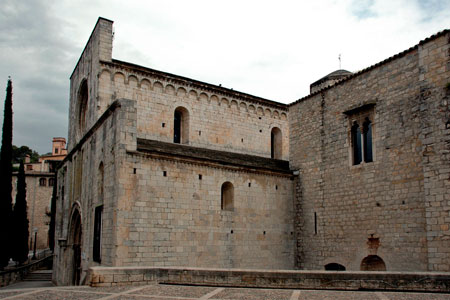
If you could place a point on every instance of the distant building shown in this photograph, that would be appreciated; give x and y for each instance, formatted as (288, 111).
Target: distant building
(40, 178)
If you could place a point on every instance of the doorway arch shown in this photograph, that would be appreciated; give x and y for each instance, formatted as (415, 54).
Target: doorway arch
(373, 263)
(75, 242)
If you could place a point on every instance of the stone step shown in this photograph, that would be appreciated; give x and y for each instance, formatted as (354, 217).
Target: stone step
(40, 275)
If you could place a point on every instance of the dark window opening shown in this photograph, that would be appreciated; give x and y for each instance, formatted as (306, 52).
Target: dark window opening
(97, 234)
(181, 126)
(356, 144)
(334, 267)
(164, 173)
(51, 181)
(227, 196)
(42, 182)
(275, 143)
(315, 223)
(177, 128)
(367, 139)
(200, 176)
(56, 150)
(82, 104)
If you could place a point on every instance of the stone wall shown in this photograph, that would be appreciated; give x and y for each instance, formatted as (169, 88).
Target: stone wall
(219, 118)
(98, 47)
(169, 214)
(38, 205)
(434, 108)
(81, 190)
(396, 206)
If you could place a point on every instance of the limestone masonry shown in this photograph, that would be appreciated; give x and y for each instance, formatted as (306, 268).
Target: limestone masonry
(164, 170)
(40, 179)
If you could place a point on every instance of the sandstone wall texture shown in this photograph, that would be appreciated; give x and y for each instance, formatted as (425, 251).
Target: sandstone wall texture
(161, 209)
(38, 205)
(219, 118)
(395, 207)
(228, 195)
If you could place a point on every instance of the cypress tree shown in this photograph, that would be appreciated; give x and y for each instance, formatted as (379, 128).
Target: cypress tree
(6, 179)
(20, 220)
(51, 231)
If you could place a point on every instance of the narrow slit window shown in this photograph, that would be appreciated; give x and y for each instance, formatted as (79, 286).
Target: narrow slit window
(97, 233)
(177, 127)
(315, 223)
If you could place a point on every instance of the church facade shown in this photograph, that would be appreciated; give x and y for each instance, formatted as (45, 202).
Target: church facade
(165, 170)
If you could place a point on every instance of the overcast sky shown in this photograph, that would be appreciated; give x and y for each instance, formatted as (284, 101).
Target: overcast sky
(272, 49)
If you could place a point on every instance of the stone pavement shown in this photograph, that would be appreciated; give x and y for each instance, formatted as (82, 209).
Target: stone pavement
(179, 292)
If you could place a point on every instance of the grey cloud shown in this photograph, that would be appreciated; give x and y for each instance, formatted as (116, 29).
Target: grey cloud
(362, 9)
(39, 59)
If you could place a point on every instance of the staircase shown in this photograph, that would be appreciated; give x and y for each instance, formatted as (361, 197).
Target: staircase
(39, 275)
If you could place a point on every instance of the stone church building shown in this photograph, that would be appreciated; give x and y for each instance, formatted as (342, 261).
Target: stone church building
(164, 170)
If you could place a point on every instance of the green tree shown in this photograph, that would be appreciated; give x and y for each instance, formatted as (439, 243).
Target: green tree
(20, 220)
(20, 153)
(6, 179)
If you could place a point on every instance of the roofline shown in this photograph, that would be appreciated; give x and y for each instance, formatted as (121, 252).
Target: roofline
(330, 76)
(216, 156)
(383, 62)
(87, 43)
(198, 83)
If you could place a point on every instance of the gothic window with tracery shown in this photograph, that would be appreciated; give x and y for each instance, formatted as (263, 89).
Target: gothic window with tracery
(361, 134)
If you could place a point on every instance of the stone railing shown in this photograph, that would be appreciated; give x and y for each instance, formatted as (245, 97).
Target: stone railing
(8, 277)
(347, 280)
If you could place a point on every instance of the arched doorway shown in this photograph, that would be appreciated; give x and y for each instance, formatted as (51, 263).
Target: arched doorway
(76, 233)
(373, 263)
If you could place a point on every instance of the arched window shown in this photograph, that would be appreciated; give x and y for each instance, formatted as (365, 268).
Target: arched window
(43, 182)
(51, 181)
(367, 140)
(334, 267)
(275, 143)
(181, 126)
(356, 144)
(82, 105)
(373, 263)
(227, 196)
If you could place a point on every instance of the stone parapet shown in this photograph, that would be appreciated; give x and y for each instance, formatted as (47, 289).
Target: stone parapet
(332, 280)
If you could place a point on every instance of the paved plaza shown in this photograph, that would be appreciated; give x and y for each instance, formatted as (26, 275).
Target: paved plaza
(179, 292)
